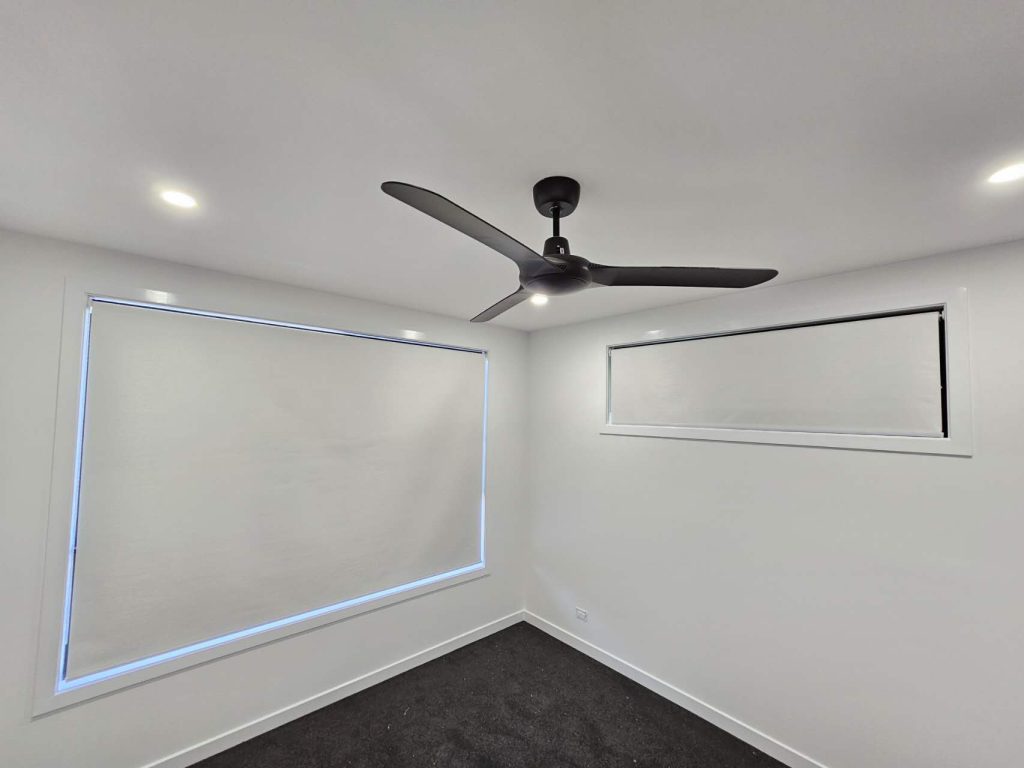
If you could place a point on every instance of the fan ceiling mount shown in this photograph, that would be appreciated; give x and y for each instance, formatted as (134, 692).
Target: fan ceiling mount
(556, 270)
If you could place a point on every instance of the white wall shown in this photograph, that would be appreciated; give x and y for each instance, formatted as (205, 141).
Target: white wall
(142, 725)
(863, 608)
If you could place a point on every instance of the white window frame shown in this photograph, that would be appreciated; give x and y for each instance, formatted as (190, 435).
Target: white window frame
(52, 692)
(959, 440)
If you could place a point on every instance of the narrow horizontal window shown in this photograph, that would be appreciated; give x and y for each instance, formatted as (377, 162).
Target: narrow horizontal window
(877, 375)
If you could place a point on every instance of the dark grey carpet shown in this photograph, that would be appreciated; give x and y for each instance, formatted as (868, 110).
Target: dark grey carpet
(518, 698)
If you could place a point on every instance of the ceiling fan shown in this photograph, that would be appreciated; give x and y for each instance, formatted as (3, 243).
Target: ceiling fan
(556, 270)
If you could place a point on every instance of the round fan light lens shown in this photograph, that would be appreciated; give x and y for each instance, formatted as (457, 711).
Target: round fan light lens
(178, 199)
(1009, 173)
(539, 299)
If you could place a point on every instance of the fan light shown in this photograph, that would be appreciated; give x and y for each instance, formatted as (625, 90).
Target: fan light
(1009, 173)
(539, 299)
(178, 199)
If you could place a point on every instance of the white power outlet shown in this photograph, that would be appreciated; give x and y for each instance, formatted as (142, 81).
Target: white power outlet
(581, 613)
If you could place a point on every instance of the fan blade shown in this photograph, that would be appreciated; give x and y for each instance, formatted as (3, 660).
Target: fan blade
(457, 217)
(505, 304)
(689, 277)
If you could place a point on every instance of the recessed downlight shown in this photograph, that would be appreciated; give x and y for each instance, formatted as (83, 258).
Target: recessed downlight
(178, 199)
(1013, 172)
(539, 299)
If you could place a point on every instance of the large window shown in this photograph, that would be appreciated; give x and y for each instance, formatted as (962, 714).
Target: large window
(238, 478)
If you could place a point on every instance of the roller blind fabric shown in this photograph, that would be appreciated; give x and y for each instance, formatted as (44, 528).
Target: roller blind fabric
(236, 473)
(878, 376)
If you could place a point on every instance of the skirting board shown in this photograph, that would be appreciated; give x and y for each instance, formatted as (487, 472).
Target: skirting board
(223, 741)
(740, 730)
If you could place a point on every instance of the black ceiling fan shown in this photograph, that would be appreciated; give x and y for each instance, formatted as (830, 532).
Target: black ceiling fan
(558, 271)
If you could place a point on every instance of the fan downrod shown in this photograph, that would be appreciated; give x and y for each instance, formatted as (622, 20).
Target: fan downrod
(556, 196)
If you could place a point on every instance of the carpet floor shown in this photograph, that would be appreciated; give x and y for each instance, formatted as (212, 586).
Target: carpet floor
(516, 699)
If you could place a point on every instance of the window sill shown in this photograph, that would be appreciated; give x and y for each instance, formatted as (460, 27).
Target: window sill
(949, 446)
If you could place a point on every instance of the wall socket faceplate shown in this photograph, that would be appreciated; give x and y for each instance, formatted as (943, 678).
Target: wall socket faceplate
(581, 613)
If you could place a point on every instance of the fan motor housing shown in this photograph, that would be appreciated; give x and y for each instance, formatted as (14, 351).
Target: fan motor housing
(574, 276)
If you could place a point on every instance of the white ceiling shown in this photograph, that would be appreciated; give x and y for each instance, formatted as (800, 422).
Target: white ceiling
(812, 137)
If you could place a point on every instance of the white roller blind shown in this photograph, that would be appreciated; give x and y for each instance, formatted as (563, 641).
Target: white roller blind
(237, 473)
(876, 376)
